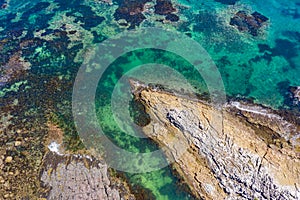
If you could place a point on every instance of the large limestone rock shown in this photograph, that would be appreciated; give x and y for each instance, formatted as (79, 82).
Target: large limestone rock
(239, 151)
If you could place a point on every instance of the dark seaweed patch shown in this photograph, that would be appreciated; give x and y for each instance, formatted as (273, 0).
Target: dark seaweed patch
(35, 9)
(66, 5)
(42, 21)
(5, 19)
(243, 71)
(172, 17)
(283, 47)
(294, 12)
(266, 56)
(164, 7)
(97, 37)
(283, 88)
(88, 18)
(227, 2)
(90, 21)
(293, 35)
(13, 29)
(264, 47)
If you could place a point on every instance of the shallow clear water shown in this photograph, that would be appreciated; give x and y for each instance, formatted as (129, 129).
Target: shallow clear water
(53, 37)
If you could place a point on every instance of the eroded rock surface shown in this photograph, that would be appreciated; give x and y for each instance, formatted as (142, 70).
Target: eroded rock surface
(76, 177)
(238, 152)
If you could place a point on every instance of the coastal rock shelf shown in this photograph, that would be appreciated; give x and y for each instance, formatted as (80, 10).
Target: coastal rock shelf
(239, 151)
(76, 177)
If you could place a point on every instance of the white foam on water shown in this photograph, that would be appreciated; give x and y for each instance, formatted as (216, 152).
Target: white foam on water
(54, 147)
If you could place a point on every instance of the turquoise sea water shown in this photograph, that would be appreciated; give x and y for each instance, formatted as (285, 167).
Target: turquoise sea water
(43, 43)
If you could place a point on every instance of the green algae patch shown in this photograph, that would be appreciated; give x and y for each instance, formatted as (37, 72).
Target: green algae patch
(13, 88)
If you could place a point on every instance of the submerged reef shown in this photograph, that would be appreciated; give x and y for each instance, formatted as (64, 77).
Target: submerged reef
(131, 11)
(248, 23)
(164, 7)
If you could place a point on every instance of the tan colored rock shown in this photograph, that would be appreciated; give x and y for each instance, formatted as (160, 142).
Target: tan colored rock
(76, 177)
(17, 143)
(8, 159)
(240, 151)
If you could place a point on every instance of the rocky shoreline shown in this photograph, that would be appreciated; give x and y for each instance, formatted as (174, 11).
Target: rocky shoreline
(240, 151)
(79, 176)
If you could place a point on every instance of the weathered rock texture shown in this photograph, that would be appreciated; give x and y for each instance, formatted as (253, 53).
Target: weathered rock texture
(76, 177)
(240, 151)
(249, 23)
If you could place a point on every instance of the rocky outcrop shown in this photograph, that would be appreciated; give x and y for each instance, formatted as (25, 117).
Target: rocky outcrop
(249, 23)
(132, 12)
(76, 177)
(238, 151)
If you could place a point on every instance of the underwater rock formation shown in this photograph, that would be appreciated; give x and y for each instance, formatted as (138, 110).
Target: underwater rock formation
(131, 11)
(238, 151)
(164, 7)
(248, 23)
